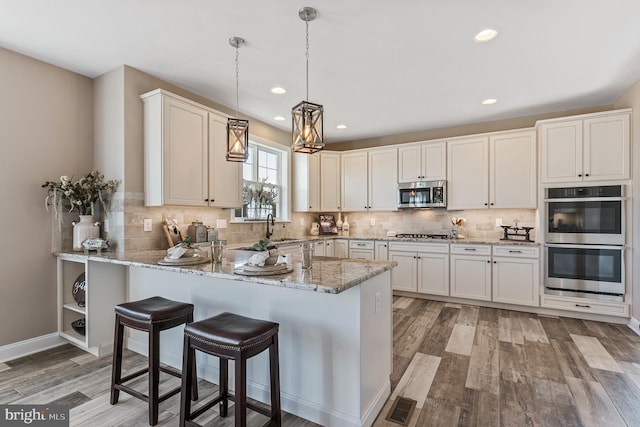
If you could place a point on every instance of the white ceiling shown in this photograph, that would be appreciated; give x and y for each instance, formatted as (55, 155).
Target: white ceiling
(382, 67)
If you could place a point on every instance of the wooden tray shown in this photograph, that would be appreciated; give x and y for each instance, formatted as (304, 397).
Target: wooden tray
(269, 270)
(184, 261)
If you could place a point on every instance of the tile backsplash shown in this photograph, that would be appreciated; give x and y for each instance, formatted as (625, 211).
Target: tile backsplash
(127, 213)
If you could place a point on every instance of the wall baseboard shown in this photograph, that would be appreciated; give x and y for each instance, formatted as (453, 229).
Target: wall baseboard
(30, 346)
(634, 325)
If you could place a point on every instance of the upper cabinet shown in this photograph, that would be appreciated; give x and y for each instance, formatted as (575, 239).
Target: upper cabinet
(316, 182)
(306, 182)
(593, 147)
(494, 171)
(369, 180)
(184, 155)
(422, 162)
(330, 200)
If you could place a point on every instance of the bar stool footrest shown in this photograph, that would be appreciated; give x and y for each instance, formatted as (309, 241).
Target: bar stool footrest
(134, 375)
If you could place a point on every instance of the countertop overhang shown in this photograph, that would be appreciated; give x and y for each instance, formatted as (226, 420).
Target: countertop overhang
(328, 275)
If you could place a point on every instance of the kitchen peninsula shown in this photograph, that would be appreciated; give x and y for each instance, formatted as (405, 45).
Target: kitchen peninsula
(335, 323)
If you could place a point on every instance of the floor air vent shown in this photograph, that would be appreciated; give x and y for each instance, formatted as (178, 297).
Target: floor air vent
(401, 410)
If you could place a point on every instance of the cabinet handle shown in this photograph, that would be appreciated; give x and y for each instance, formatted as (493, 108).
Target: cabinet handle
(206, 200)
(212, 200)
(495, 262)
(310, 207)
(515, 252)
(470, 249)
(583, 305)
(586, 174)
(491, 203)
(579, 174)
(489, 262)
(415, 257)
(486, 204)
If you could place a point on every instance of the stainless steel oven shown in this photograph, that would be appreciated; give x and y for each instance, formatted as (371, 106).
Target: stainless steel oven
(422, 194)
(590, 271)
(586, 215)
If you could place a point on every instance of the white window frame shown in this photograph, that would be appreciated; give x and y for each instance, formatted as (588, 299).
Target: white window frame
(284, 211)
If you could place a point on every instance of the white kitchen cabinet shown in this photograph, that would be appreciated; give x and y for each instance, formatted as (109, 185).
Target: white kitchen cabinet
(593, 147)
(330, 200)
(369, 180)
(422, 162)
(306, 182)
(381, 250)
(361, 249)
(422, 267)
(471, 271)
(341, 248)
(323, 248)
(105, 285)
(494, 171)
(516, 275)
(225, 178)
(585, 305)
(513, 170)
(184, 147)
(468, 173)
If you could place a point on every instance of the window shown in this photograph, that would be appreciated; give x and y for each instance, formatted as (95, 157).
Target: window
(264, 183)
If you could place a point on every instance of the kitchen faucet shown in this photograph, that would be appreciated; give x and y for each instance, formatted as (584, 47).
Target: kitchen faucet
(273, 223)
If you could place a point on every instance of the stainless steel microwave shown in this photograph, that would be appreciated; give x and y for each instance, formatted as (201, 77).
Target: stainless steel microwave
(422, 194)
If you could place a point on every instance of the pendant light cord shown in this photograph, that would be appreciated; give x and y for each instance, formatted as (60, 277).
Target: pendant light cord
(237, 78)
(307, 56)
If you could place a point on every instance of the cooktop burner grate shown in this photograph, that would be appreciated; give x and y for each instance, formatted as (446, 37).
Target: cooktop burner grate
(423, 236)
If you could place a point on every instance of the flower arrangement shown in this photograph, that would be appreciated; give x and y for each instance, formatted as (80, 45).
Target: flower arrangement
(81, 194)
(261, 195)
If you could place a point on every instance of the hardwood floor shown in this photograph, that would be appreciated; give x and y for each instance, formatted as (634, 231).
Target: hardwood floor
(463, 365)
(477, 366)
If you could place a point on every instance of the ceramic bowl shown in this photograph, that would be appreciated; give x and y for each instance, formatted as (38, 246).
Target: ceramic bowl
(78, 326)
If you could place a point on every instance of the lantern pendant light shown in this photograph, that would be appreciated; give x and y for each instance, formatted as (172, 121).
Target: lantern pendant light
(307, 117)
(237, 129)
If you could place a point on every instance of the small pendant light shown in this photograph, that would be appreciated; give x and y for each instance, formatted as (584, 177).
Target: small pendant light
(307, 117)
(237, 129)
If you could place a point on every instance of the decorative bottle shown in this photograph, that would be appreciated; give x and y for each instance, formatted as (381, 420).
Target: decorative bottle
(83, 230)
(345, 226)
(339, 224)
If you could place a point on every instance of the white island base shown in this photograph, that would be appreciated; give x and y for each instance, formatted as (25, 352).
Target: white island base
(335, 349)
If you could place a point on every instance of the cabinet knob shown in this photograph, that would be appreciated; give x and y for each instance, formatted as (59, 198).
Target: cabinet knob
(494, 262)
(489, 262)
(206, 200)
(486, 204)
(579, 174)
(491, 203)
(586, 174)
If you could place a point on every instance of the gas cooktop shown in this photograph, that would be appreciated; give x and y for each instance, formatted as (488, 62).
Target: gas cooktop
(423, 236)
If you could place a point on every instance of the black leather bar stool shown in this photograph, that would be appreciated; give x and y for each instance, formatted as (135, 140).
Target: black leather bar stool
(231, 337)
(152, 315)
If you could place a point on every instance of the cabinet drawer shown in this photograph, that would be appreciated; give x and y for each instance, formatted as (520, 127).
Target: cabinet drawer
(586, 305)
(438, 248)
(470, 249)
(361, 244)
(517, 251)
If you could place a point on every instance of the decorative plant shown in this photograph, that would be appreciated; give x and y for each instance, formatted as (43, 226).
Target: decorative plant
(263, 195)
(81, 195)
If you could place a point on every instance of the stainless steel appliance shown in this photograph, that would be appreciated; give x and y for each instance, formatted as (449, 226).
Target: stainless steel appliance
(422, 194)
(585, 238)
(590, 271)
(591, 215)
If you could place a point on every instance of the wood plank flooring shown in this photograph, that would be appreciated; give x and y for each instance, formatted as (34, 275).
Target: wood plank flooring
(505, 368)
(464, 365)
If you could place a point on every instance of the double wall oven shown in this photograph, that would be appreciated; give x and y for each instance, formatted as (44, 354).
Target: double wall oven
(585, 242)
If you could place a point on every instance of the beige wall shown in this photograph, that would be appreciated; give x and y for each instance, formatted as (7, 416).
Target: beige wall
(46, 130)
(632, 99)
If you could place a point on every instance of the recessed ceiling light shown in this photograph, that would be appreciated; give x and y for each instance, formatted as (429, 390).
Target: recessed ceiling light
(278, 118)
(489, 101)
(278, 90)
(341, 127)
(485, 35)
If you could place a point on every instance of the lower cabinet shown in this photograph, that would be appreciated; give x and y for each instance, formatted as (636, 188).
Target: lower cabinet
(103, 285)
(323, 248)
(422, 267)
(516, 275)
(361, 249)
(341, 248)
(471, 271)
(382, 250)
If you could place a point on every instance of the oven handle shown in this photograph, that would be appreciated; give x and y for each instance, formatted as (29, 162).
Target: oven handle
(588, 199)
(579, 246)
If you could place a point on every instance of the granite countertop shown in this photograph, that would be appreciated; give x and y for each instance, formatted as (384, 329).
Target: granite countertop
(467, 240)
(328, 275)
